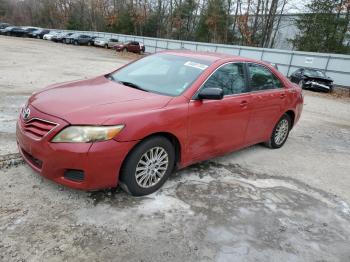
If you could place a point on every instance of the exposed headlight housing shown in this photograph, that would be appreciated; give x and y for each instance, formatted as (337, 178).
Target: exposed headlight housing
(87, 134)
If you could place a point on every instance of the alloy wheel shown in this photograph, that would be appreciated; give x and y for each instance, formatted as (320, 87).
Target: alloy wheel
(281, 132)
(151, 167)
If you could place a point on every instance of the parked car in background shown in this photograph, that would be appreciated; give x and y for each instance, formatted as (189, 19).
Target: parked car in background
(133, 46)
(82, 39)
(4, 25)
(60, 38)
(39, 33)
(312, 79)
(69, 38)
(102, 42)
(50, 35)
(136, 125)
(5, 30)
(28, 30)
(106, 42)
(16, 31)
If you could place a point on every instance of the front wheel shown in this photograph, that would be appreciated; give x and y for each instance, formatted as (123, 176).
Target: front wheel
(280, 132)
(148, 166)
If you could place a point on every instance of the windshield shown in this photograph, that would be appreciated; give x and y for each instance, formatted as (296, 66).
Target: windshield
(161, 73)
(314, 73)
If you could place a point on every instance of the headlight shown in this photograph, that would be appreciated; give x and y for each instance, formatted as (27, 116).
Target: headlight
(85, 134)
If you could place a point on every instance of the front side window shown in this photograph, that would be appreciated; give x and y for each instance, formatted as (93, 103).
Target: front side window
(161, 73)
(262, 78)
(230, 78)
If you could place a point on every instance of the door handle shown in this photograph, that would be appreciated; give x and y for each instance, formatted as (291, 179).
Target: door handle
(282, 96)
(244, 103)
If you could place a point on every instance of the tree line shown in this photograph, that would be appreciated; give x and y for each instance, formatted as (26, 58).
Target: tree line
(242, 22)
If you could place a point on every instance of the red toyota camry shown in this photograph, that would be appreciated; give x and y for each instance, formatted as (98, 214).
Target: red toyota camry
(134, 126)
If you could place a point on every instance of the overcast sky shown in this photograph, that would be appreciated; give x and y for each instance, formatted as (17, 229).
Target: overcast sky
(296, 6)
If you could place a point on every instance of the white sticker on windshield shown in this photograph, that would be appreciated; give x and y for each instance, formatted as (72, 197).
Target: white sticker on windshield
(196, 65)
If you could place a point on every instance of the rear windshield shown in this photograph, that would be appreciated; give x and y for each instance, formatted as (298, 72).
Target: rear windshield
(162, 73)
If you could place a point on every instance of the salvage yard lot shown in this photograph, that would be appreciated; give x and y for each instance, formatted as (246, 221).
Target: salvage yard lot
(253, 205)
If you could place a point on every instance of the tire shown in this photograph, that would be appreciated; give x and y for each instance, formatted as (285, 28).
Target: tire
(76, 43)
(280, 132)
(155, 174)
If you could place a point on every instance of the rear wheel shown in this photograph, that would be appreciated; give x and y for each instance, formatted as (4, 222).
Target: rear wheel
(148, 166)
(280, 132)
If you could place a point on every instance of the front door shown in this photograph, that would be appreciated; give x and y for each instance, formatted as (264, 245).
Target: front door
(219, 126)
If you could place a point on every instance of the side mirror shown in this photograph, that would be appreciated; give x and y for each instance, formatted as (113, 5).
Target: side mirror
(211, 93)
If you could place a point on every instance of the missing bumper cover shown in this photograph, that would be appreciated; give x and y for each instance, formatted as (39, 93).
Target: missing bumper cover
(74, 175)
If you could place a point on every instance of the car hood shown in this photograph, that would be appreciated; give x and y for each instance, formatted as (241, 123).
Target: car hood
(95, 101)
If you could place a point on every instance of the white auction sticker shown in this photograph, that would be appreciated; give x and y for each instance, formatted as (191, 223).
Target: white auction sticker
(196, 65)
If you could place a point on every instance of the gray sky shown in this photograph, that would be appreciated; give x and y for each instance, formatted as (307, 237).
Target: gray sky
(296, 6)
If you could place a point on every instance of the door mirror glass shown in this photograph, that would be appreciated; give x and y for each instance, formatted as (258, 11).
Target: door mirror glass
(211, 93)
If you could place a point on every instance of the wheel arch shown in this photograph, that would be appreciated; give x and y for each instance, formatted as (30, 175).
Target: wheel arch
(291, 114)
(171, 137)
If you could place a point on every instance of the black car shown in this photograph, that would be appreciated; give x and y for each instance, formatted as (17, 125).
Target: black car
(16, 31)
(312, 79)
(28, 30)
(39, 33)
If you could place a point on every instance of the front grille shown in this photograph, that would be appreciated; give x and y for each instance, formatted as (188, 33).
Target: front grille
(38, 128)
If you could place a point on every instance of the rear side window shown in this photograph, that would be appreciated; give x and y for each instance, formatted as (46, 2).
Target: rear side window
(230, 78)
(262, 78)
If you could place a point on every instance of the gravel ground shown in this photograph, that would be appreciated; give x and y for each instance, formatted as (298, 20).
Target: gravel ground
(253, 205)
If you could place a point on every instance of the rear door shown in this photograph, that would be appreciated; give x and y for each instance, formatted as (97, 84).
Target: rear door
(219, 126)
(267, 104)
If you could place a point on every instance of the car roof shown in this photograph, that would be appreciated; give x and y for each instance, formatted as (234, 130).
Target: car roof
(209, 56)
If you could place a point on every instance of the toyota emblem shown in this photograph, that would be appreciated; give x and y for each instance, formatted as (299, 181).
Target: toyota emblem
(26, 113)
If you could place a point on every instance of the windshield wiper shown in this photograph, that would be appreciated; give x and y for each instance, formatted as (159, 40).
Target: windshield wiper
(132, 85)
